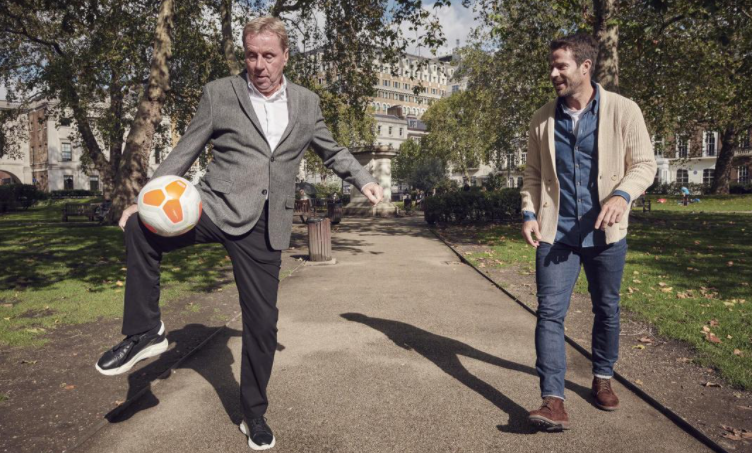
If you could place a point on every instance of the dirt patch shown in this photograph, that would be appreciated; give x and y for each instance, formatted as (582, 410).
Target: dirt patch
(663, 368)
(52, 396)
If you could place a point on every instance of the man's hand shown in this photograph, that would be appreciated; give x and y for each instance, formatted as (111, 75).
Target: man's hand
(374, 192)
(611, 212)
(528, 229)
(129, 211)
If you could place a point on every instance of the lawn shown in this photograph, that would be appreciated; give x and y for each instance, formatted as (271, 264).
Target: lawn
(56, 273)
(688, 274)
(707, 203)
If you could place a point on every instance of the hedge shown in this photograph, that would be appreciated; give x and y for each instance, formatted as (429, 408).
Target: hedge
(19, 196)
(74, 193)
(474, 205)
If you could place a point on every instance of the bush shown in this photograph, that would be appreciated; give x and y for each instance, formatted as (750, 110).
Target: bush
(474, 205)
(675, 189)
(19, 196)
(74, 193)
(740, 189)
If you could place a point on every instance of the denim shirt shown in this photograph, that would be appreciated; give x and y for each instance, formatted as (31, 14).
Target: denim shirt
(577, 170)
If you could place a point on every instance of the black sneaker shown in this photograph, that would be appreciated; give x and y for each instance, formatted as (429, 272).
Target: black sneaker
(121, 358)
(260, 436)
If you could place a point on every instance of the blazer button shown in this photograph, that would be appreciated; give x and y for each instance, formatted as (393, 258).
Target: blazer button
(264, 192)
(272, 158)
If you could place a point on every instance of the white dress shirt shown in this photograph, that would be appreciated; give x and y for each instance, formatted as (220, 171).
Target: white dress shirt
(271, 112)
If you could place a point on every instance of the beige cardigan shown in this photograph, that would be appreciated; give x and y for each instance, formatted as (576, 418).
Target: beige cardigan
(625, 161)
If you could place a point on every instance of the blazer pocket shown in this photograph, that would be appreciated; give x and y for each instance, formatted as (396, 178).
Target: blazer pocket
(219, 185)
(290, 202)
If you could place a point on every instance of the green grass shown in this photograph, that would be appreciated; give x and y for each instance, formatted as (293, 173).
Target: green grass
(684, 272)
(708, 203)
(58, 273)
(3, 397)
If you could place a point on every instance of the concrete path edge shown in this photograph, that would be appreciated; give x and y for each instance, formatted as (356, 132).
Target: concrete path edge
(668, 413)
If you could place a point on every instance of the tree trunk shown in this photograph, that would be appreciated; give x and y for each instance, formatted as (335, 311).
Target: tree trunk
(134, 164)
(722, 174)
(607, 33)
(228, 44)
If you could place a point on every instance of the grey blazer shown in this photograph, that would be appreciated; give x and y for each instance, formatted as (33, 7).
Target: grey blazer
(243, 171)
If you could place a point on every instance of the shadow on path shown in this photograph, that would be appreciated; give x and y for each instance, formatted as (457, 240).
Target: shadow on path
(217, 371)
(444, 352)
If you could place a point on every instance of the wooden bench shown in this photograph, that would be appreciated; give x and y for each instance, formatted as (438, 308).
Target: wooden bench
(303, 209)
(643, 202)
(82, 210)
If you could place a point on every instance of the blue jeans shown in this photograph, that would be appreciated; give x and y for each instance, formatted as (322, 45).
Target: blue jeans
(557, 269)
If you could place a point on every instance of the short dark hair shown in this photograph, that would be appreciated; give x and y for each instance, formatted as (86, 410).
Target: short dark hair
(582, 45)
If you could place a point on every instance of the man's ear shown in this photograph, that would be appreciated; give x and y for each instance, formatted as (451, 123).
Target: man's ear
(586, 65)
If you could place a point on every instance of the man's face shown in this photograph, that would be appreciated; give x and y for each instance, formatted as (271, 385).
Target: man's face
(265, 61)
(566, 77)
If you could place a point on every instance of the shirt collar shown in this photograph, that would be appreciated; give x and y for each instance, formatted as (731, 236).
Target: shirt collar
(279, 95)
(593, 104)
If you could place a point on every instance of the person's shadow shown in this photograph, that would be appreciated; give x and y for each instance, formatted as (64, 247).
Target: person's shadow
(217, 371)
(444, 352)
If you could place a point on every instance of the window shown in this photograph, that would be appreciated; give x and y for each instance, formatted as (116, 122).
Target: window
(707, 176)
(682, 177)
(709, 143)
(386, 83)
(67, 155)
(94, 183)
(68, 182)
(658, 145)
(523, 158)
(396, 84)
(682, 147)
(744, 139)
(66, 122)
(390, 131)
(321, 81)
(401, 132)
(406, 86)
(455, 88)
(433, 90)
(519, 181)
(378, 128)
(743, 175)
(473, 181)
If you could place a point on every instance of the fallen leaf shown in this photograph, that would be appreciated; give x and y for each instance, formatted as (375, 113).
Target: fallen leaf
(636, 281)
(711, 384)
(684, 360)
(639, 346)
(119, 402)
(661, 284)
(729, 337)
(646, 340)
(736, 352)
(667, 290)
(118, 283)
(713, 322)
(705, 329)
(712, 338)
(730, 263)
(638, 382)
(7, 305)
(28, 362)
(69, 387)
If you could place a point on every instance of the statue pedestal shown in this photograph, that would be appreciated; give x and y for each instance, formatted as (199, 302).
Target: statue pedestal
(377, 160)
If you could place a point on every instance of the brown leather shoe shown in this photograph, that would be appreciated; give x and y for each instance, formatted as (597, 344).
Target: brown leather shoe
(551, 416)
(605, 398)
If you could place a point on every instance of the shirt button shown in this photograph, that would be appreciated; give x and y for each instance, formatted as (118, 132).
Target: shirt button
(264, 192)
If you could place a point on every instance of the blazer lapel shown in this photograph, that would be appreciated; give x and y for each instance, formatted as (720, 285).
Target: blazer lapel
(293, 106)
(240, 85)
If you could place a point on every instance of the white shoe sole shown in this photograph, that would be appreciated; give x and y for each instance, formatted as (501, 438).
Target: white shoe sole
(253, 446)
(151, 351)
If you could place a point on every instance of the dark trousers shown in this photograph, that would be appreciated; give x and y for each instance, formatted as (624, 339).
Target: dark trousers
(255, 266)
(557, 268)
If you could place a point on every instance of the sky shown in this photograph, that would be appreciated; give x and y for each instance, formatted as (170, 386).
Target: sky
(456, 22)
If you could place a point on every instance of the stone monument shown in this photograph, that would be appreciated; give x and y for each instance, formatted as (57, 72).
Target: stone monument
(377, 160)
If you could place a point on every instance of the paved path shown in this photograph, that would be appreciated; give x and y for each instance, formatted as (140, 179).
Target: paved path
(397, 348)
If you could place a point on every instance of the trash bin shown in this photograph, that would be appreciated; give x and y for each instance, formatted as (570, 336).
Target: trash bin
(319, 239)
(334, 211)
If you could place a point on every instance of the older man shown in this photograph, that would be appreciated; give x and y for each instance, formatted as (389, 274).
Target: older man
(589, 154)
(260, 126)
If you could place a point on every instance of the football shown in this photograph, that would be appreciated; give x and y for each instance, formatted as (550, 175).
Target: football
(169, 205)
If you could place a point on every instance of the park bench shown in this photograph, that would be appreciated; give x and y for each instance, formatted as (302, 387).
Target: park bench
(303, 209)
(644, 203)
(92, 211)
